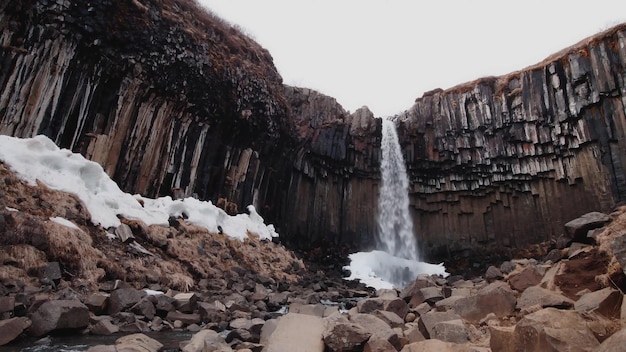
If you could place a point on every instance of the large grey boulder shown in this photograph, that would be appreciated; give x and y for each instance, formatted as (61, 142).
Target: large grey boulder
(428, 321)
(450, 331)
(607, 302)
(345, 337)
(554, 330)
(537, 295)
(137, 343)
(578, 228)
(206, 340)
(615, 343)
(11, 328)
(58, 315)
(296, 332)
(496, 298)
(122, 299)
(435, 345)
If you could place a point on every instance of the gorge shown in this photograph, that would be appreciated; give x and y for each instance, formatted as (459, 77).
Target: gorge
(173, 101)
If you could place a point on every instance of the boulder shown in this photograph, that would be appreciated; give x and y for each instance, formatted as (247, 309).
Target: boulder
(206, 340)
(345, 337)
(615, 343)
(413, 334)
(11, 328)
(447, 303)
(378, 345)
(392, 319)
(185, 302)
(450, 331)
(144, 307)
(369, 305)
(296, 332)
(377, 327)
(317, 310)
(137, 343)
(122, 299)
(607, 302)
(435, 345)
(7, 304)
(411, 289)
(124, 233)
(496, 298)
(502, 338)
(104, 327)
(577, 229)
(525, 278)
(537, 295)
(398, 306)
(493, 273)
(618, 247)
(555, 330)
(58, 315)
(428, 321)
(210, 313)
(185, 318)
(429, 295)
(97, 302)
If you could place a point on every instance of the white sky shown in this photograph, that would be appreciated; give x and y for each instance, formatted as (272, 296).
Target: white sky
(384, 54)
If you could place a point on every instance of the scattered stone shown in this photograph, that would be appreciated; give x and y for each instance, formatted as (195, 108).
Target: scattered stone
(435, 345)
(124, 233)
(104, 327)
(370, 305)
(144, 307)
(607, 302)
(450, 331)
(58, 315)
(495, 298)
(392, 319)
(7, 304)
(396, 305)
(413, 334)
(377, 327)
(577, 229)
(507, 267)
(97, 302)
(52, 271)
(185, 302)
(428, 321)
(295, 332)
(554, 255)
(185, 318)
(493, 273)
(537, 295)
(122, 299)
(11, 328)
(615, 343)
(527, 277)
(378, 345)
(206, 340)
(502, 338)
(137, 342)
(555, 330)
(317, 310)
(345, 337)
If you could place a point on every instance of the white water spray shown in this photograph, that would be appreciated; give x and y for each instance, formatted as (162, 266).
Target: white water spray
(395, 226)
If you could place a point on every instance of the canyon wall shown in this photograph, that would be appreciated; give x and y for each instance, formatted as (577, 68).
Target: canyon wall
(171, 100)
(506, 161)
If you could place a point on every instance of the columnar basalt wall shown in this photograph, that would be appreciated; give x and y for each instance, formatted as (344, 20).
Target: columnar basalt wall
(173, 101)
(506, 161)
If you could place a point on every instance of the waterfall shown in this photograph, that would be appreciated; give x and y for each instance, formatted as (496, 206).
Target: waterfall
(396, 262)
(395, 226)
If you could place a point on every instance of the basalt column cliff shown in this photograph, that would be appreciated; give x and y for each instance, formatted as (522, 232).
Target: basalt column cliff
(171, 100)
(506, 161)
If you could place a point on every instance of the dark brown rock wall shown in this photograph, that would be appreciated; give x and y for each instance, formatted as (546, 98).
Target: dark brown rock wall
(506, 161)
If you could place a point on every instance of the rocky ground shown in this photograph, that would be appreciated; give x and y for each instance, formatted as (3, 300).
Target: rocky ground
(256, 295)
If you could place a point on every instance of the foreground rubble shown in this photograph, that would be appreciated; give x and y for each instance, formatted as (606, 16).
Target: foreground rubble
(255, 295)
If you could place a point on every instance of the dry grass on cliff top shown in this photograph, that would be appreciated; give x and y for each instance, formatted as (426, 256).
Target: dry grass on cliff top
(501, 83)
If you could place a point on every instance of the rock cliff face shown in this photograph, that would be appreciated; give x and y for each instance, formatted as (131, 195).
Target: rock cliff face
(171, 100)
(506, 161)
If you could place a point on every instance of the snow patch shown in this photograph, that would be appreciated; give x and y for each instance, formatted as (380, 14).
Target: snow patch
(64, 222)
(38, 158)
(379, 269)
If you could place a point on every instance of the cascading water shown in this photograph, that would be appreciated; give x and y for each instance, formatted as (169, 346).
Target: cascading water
(395, 226)
(396, 262)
